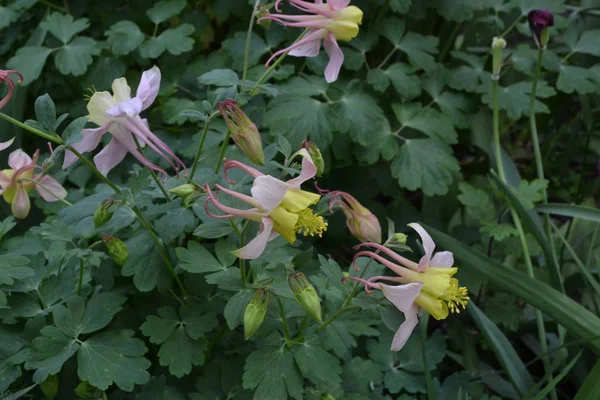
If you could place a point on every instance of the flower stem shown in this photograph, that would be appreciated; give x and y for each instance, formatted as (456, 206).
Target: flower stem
(201, 144)
(274, 65)
(515, 217)
(248, 40)
(21, 125)
(222, 152)
(152, 173)
(286, 329)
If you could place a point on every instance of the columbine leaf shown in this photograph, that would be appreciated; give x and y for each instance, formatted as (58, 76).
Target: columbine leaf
(237, 45)
(165, 9)
(75, 57)
(425, 164)
(359, 115)
(515, 99)
(588, 43)
(316, 363)
(49, 352)
(477, 201)
(63, 27)
(118, 355)
(14, 267)
(29, 61)
(124, 37)
(196, 259)
(145, 264)
(177, 41)
(273, 373)
(427, 120)
(530, 193)
(419, 49)
(576, 79)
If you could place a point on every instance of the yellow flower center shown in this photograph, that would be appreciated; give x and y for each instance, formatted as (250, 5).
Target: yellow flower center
(456, 296)
(309, 223)
(440, 294)
(345, 25)
(10, 193)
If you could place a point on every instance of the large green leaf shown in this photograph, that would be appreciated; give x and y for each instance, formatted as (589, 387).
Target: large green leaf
(565, 311)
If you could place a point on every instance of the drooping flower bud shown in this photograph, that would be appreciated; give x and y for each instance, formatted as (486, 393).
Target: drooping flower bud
(116, 249)
(498, 44)
(305, 295)
(5, 77)
(104, 212)
(256, 311)
(242, 130)
(539, 22)
(262, 17)
(316, 156)
(50, 387)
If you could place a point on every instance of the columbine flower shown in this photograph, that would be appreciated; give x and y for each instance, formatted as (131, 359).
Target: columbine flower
(17, 182)
(539, 22)
(361, 222)
(5, 77)
(282, 208)
(118, 114)
(428, 285)
(243, 131)
(329, 22)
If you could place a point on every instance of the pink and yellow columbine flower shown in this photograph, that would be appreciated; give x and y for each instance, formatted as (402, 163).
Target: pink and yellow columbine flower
(119, 114)
(361, 222)
(282, 208)
(17, 182)
(426, 285)
(328, 22)
(5, 77)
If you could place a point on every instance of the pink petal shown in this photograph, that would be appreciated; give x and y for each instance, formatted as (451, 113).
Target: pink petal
(268, 192)
(19, 159)
(91, 139)
(148, 87)
(110, 156)
(402, 296)
(21, 205)
(309, 170)
(338, 4)
(428, 245)
(7, 144)
(50, 189)
(443, 259)
(257, 245)
(314, 35)
(336, 58)
(406, 329)
(4, 182)
(307, 49)
(129, 108)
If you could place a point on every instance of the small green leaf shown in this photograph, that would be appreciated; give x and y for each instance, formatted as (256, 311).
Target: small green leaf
(478, 202)
(165, 9)
(75, 57)
(213, 229)
(235, 307)
(14, 267)
(49, 352)
(576, 79)
(197, 260)
(63, 26)
(237, 46)
(588, 43)
(272, 372)
(427, 120)
(124, 37)
(29, 61)
(45, 112)
(317, 364)
(177, 41)
(530, 193)
(220, 77)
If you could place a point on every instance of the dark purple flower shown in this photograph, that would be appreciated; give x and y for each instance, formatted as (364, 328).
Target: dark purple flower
(538, 20)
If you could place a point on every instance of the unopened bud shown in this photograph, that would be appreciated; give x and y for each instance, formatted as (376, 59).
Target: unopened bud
(316, 156)
(104, 212)
(183, 190)
(539, 23)
(243, 131)
(261, 20)
(86, 391)
(497, 59)
(256, 311)
(398, 238)
(50, 387)
(116, 249)
(305, 295)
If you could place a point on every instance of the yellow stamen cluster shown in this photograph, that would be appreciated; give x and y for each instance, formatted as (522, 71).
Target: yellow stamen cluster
(310, 223)
(456, 296)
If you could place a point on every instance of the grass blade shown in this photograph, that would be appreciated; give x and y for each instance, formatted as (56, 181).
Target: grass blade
(591, 386)
(506, 354)
(570, 210)
(552, 384)
(566, 312)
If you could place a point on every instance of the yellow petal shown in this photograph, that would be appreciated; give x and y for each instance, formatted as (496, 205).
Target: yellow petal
(351, 14)
(121, 90)
(97, 106)
(296, 200)
(284, 223)
(436, 307)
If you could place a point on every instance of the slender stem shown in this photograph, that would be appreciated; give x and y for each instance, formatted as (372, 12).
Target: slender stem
(201, 144)
(44, 135)
(66, 4)
(449, 42)
(222, 152)
(526, 254)
(532, 123)
(275, 64)
(80, 282)
(248, 40)
(242, 236)
(387, 58)
(286, 330)
(152, 173)
(49, 4)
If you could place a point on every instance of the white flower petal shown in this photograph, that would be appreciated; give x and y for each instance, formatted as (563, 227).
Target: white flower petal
(268, 192)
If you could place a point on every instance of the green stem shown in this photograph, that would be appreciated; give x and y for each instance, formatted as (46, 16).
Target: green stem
(21, 125)
(532, 123)
(449, 42)
(222, 152)
(248, 40)
(80, 282)
(152, 173)
(201, 144)
(286, 329)
(56, 7)
(274, 65)
(526, 254)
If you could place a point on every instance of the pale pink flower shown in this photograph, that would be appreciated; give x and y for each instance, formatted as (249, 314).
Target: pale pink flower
(282, 208)
(328, 22)
(119, 114)
(17, 182)
(427, 285)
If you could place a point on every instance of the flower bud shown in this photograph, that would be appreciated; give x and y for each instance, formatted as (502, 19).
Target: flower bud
(243, 131)
(50, 387)
(497, 59)
(116, 249)
(305, 295)
(183, 190)
(256, 311)
(316, 156)
(399, 238)
(103, 213)
(86, 391)
(260, 17)
(539, 23)
(361, 222)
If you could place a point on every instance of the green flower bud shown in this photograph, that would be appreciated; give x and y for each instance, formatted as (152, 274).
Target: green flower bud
(398, 238)
(263, 12)
(256, 311)
(243, 131)
(497, 59)
(305, 295)
(116, 249)
(50, 387)
(86, 391)
(104, 212)
(316, 156)
(183, 190)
